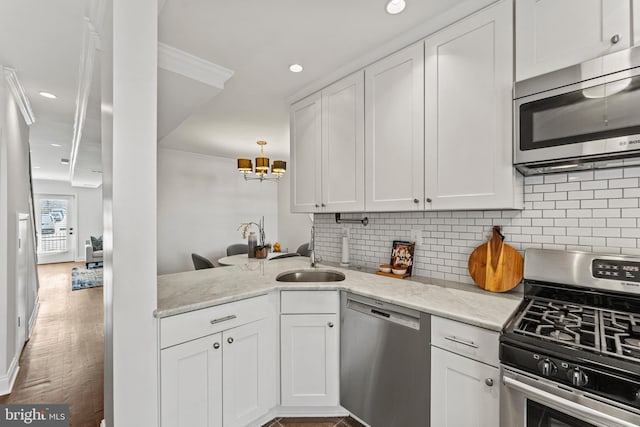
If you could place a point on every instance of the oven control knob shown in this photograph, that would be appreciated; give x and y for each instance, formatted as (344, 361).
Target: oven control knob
(578, 377)
(636, 396)
(547, 368)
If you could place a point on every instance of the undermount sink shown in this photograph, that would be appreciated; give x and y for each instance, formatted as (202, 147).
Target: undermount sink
(310, 276)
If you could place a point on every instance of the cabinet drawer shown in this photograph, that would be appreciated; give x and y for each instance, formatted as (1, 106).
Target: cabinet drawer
(309, 302)
(199, 323)
(466, 340)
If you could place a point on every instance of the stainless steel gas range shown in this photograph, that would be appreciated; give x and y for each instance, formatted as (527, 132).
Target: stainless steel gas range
(571, 354)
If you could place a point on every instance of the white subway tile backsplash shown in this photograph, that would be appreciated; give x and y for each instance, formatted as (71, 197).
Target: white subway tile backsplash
(592, 211)
(570, 186)
(554, 178)
(608, 174)
(624, 183)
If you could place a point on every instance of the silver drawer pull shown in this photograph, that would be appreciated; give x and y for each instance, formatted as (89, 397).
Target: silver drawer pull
(223, 319)
(463, 342)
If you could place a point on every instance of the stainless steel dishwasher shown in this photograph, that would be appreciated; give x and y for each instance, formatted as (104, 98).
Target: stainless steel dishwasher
(384, 362)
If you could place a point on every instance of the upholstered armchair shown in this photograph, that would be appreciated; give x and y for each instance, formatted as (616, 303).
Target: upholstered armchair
(91, 255)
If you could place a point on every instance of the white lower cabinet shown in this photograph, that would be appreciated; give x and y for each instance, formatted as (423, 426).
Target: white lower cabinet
(465, 378)
(191, 383)
(309, 359)
(224, 379)
(464, 392)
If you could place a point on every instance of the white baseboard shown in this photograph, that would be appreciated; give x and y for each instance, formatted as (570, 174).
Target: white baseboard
(7, 381)
(34, 316)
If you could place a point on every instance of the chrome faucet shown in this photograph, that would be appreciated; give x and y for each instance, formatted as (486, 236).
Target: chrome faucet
(312, 245)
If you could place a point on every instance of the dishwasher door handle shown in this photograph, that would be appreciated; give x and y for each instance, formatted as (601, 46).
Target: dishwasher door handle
(380, 313)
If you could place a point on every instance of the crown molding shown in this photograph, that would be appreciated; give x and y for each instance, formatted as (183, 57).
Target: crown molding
(19, 95)
(90, 47)
(188, 65)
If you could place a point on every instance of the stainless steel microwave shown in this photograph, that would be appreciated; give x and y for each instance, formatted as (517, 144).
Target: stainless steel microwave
(584, 116)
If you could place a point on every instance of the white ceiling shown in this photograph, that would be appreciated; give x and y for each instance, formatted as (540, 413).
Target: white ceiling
(257, 39)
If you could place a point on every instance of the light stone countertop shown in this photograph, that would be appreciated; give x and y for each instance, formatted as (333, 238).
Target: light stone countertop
(192, 290)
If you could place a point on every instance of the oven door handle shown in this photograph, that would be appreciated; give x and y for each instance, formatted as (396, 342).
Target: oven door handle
(566, 405)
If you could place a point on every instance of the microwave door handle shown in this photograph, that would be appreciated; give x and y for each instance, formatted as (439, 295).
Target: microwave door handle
(571, 407)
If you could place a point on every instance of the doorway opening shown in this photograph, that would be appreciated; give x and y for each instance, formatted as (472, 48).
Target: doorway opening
(55, 220)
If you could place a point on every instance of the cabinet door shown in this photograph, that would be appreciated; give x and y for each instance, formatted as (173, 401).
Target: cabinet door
(636, 21)
(191, 383)
(458, 382)
(249, 372)
(468, 140)
(552, 34)
(306, 154)
(309, 360)
(394, 131)
(343, 145)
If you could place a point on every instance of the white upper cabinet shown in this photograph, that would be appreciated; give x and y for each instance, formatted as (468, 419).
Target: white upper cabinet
(306, 154)
(327, 149)
(343, 145)
(394, 131)
(553, 34)
(468, 104)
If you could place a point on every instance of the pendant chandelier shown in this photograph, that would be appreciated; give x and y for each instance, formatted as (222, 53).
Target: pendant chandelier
(278, 168)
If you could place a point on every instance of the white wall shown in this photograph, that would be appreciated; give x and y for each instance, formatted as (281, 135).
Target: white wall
(294, 228)
(129, 146)
(88, 203)
(14, 199)
(202, 200)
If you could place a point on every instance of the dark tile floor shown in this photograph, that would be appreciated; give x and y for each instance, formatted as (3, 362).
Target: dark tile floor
(314, 422)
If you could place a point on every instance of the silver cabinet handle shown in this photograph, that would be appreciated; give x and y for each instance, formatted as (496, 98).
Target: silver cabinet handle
(317, 205)
(330, 324)
(615, 38)
(428, 200)
(216, 345)
(489, 382)
(416, 201)
(463, 342)
(230, 340)
(222, 319)
(323, 205)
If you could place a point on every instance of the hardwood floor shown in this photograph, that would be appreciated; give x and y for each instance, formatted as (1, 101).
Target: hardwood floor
(63, 360)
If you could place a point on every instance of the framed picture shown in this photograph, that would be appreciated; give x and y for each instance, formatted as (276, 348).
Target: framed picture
(402, 254)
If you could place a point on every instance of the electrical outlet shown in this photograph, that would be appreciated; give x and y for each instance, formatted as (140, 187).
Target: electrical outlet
(416, 236)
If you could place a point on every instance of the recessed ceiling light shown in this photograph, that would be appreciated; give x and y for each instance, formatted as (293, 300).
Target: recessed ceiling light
(36, 167)
(56, 145)
(295, 68)
(395, 6)
(48, 95)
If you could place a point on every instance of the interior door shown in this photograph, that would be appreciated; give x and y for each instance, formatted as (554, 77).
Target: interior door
(55, 222)
(22, 278)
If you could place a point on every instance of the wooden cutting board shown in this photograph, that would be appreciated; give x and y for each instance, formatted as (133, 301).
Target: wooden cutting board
(496, 266)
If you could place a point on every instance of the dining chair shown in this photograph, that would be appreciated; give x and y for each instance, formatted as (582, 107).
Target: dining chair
(237, 249)
(200, 262)
(303, 249)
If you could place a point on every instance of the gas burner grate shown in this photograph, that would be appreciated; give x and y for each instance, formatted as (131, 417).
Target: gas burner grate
(621, 334)
(598, 330)
(569, 324)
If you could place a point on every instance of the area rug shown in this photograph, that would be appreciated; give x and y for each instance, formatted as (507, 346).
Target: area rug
(82, 278)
